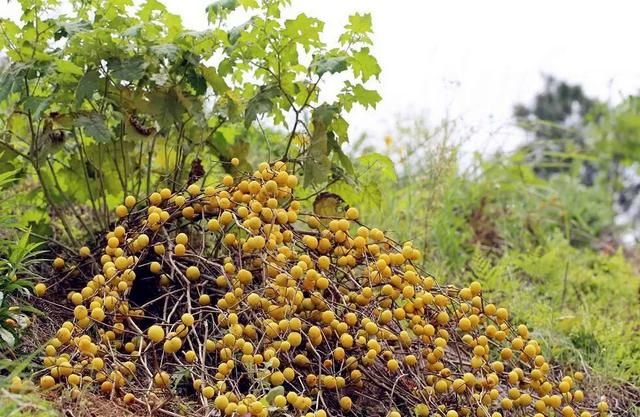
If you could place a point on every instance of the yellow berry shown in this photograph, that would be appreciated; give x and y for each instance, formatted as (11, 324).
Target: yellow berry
(122, 211)
(40, 289)
(346, 403)
(190, 356)
(161, 379)
(221, 402)
(84, 252)
(129, 398)
(130, 201)
(187, 319)
(58, 263)
(155, 333)
(280, 401)
(47, 382)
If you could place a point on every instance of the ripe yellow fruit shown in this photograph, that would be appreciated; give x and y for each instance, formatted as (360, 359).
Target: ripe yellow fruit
(465, 324)
(155, 333)
(441, 386)
(47, 382)
(322, 283)
(179, 249)
(352, 213)
(172, 345)
(187, 319)
(277, 378)
(346, 403)
(190, 356)
(204, 300)
(280, 401)
(192, 273)
(422, 410)
(371, 328)
(80, 312)
(244, 276)
(221, 402)
(40, 289)
(128, 398)
(98, 314)
(84, 252)
(235, 162)
(130, 201)
(208, 392)
(161, 379)
(182, 238)
(193, 190)
(122, 211)
(97, 363)
(58, 263)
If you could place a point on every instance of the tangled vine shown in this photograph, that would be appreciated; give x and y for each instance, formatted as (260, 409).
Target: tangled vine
(234, 297)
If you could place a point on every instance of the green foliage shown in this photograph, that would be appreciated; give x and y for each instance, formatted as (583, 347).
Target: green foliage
(25, 405)
(111, 99)
(564, 294)
(17, 257)
(16, 260)
(532, 242)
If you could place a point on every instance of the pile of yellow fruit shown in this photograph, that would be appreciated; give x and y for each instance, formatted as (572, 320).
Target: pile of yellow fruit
(236, 298)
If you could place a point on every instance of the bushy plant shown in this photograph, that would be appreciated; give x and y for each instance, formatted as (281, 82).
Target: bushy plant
(234, 296)
(109, 98)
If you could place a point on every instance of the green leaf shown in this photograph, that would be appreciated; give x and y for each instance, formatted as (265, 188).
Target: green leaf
(340, 127)
(7, 337)
(358, 94)
(360, 23)
(249, 4)
(147, 9)
(236, 32)
(165, 50)
(364, 65)
(68, 67)
(94, 125)
(36, 105)
(214, 80)
(273, 393)
(130, 69)
(261, 103)
(88, 84)
(196, 80)
(335, 147)
(330, 64)
(367, 98)
(219, 6)
(165, 107)
(382, 164)
(317, 165)
(68, 29)
(304, 30)
(326, 113)
(132, 31)
(7, 81)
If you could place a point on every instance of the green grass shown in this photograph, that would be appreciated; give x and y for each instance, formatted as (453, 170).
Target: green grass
(25, 405)
(531, 242)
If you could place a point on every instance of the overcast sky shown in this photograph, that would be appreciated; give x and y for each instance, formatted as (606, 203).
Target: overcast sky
(473, 60)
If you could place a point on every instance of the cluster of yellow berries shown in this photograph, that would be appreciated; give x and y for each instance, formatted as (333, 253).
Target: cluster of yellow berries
(269, 310)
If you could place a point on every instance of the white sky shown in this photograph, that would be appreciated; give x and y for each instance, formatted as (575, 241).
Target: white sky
(473, 60)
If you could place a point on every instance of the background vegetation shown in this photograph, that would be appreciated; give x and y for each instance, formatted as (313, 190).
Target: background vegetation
(88, 117)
